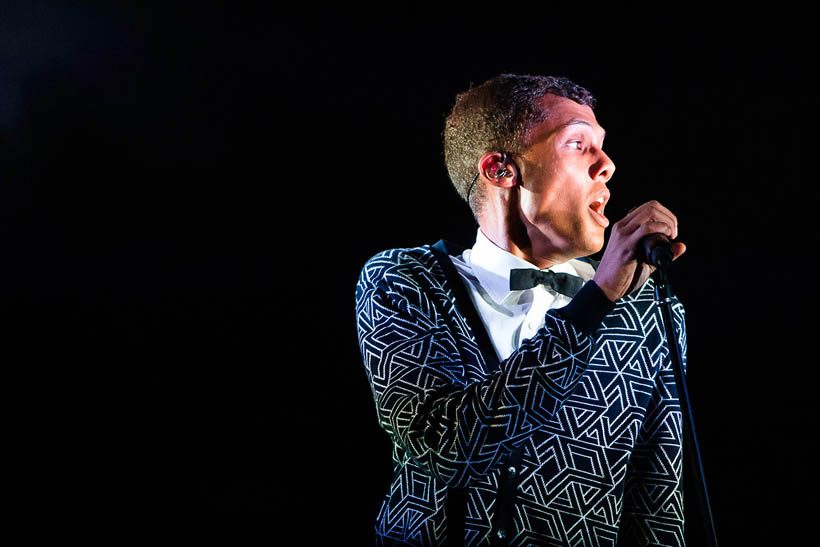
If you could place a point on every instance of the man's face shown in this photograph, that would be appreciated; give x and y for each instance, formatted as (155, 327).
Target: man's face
(564, 172)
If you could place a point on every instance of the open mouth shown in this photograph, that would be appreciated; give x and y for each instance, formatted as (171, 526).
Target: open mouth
(597, 208)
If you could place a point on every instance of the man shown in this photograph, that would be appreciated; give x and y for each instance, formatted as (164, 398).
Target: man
(525, 413)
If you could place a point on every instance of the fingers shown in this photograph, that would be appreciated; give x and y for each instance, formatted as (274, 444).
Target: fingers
(653, 227)
(621, 270)
(653, 216)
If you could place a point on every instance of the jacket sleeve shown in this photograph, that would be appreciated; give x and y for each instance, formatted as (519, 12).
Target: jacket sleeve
(653, 494)
(456, 430)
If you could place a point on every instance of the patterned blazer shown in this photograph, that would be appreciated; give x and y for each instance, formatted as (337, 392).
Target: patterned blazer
(575, 439)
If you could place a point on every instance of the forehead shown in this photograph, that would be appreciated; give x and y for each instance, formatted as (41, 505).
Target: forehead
(562, 112)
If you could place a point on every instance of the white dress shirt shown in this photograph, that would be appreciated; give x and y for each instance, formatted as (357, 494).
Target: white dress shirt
(509, 316)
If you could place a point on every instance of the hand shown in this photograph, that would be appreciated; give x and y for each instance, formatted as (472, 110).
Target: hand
(620, 272)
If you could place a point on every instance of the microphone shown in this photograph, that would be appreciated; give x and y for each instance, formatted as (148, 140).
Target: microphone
(655, 250)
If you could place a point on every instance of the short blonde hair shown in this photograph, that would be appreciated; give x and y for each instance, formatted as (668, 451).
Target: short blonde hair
(496, 116)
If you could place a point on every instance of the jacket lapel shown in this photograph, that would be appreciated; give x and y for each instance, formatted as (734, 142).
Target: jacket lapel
(464, 304)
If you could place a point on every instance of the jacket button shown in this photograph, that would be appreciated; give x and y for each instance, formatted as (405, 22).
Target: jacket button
(501, 533)
(512, 471)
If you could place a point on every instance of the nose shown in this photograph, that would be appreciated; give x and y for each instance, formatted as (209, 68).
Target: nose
(602, 169)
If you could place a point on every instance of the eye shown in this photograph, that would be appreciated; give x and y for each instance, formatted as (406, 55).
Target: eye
(576, 144)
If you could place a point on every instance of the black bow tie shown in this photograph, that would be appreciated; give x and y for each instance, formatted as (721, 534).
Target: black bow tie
(528, 278)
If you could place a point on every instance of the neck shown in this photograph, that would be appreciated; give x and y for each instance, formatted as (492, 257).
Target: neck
(500, 219)
(525, 242)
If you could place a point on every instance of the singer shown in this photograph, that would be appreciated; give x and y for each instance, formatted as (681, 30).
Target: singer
(527, 389)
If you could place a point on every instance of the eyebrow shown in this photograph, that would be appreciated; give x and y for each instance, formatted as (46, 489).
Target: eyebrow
(578, 121)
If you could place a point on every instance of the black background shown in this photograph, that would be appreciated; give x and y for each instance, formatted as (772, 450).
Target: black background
(189, 192)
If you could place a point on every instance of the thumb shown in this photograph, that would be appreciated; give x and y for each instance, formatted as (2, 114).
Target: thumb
(678, 249)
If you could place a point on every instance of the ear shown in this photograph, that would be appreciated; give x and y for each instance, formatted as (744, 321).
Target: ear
(498, 170)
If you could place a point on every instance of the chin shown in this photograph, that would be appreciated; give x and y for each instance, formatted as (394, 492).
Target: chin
(598, 246)
(593, 244)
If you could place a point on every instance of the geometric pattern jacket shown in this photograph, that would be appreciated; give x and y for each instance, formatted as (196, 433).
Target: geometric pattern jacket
(574, 439)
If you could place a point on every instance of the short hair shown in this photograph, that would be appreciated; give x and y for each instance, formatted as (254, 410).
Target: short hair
(497, 116)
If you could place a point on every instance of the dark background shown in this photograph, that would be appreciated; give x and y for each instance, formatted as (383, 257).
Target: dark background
(188, 193)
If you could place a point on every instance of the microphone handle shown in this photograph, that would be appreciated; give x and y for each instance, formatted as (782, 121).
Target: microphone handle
(655, 250)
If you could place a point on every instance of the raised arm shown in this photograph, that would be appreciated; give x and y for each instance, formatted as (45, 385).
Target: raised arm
(455, 422)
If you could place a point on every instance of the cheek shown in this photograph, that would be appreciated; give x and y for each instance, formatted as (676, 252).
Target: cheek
(551, 205)
(530, 205)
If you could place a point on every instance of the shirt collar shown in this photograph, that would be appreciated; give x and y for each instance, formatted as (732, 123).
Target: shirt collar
(491, 265)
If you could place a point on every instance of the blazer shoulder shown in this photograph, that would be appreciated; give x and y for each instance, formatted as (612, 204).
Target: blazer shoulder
(410, 264)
